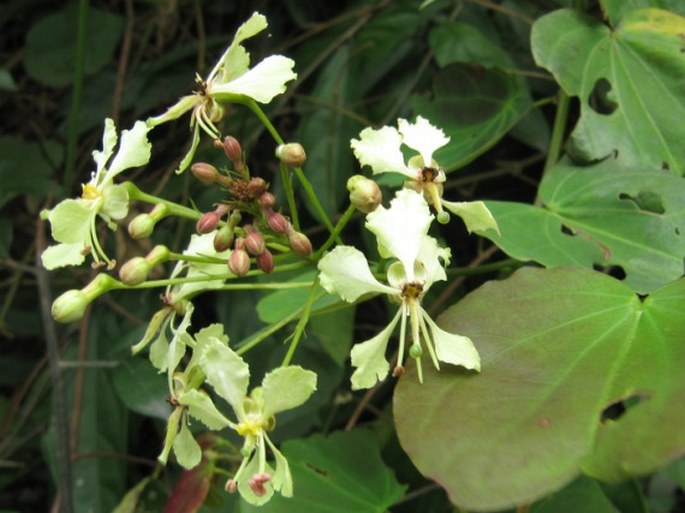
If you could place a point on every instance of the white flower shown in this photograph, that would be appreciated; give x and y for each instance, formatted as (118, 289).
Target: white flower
(401, 233)
(381, 149)
(232, 79)
(73, 220)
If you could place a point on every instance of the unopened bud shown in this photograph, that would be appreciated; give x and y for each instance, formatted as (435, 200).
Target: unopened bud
(278, 223)
(256, 187)
(443, 217)
(267, 201)
(291, 154)
(254, 243)
(300, 243)
(70, 306)
(231, 486)
(206, 173)
(232, 148)
(239, 262)
(265, 261)
(141, 226)
(365, 194)
(208, 222)
(223, 239)
(135, 271)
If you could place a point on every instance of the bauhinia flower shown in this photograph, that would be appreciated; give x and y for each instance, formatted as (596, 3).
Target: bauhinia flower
(232, 79)
(381, 149)
(73, 221)
(401, 233)
(282, 389)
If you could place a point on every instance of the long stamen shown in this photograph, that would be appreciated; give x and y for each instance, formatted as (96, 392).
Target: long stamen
(261, 447)
(427, 338)
(416, 340)
(206, 124)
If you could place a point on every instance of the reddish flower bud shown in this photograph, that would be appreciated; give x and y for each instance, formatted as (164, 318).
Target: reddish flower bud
(232, 148)
(300, 243)
(267, 201)
(231, 486)
(239, 262)
(206, 173)
(254, 243)
(256, 187)
(278, 223)
(265, 261)
(208, 222)
(291, 154)
(135, 271)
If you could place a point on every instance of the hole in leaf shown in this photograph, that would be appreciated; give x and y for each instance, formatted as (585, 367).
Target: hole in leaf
(647, 201)
(617, 409)
(677, 230)
(599, 99)
(615, 271)
(665, 166)
(565, 229)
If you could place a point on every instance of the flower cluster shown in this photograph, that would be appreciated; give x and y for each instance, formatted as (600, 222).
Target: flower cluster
(381, 150)
(402, 234)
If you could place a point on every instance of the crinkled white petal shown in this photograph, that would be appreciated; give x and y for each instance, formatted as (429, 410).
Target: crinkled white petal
(476, 216)
(134, 150)
(433, 259)
(452, 348)
(235, 60)
(422, 137)
(61, 255)
(109, 141)
(266, 80)
(380, 150)
(282, 479)
(401, 228)
(369, 358)
(345, 271)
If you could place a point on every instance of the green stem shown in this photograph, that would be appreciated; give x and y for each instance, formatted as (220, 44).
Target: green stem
(302, 323)
(76, 94)
(287, 180)
(558, 133)
(262, 334)
(485, 268)
(135, 193)
(306, 184)
(340, 225)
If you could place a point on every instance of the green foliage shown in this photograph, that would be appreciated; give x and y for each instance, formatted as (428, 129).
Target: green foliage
(553, 127)
(539, 412)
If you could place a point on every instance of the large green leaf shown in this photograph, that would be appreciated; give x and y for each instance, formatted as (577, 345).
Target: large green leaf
(51, 45)
(584, 495)
(558, 347)
(326, 131)
(338, 474)
(604, 215)
(629, 82)
(615, 9)
(474, 106)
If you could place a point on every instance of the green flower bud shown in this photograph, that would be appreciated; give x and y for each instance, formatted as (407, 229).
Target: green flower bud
(443, 217)
(141, 226)
(223, 239)
(365, 194)
(70, 306)
(291, 154)
(135, 271)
